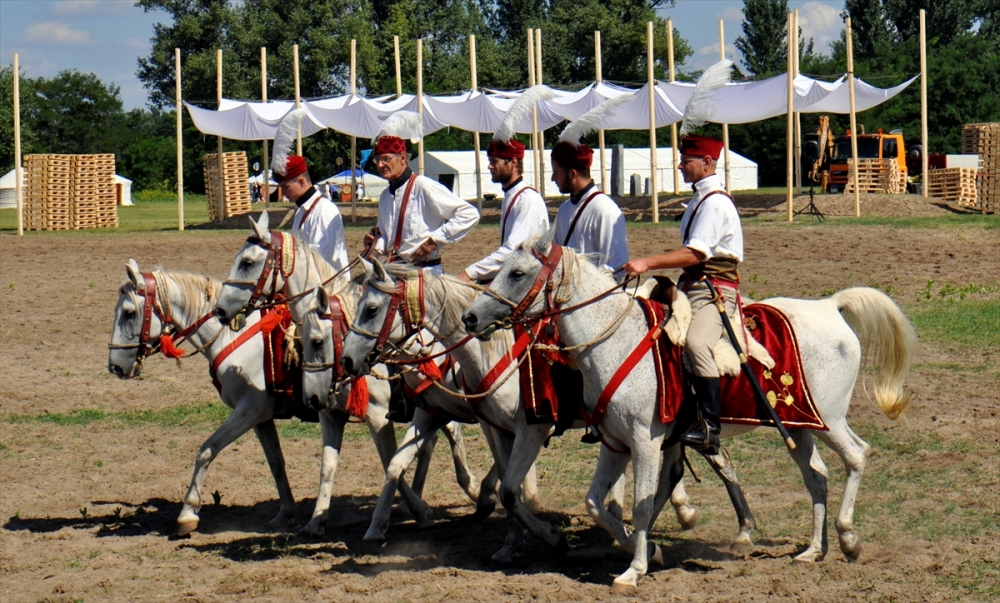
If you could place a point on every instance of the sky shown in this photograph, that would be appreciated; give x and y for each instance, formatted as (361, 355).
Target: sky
(106, 37)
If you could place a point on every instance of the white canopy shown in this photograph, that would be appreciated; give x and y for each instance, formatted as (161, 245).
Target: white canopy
(479, 111)
(8, 192)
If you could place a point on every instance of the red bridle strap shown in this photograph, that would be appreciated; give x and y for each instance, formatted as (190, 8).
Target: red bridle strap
(543, 278)
(275, 254)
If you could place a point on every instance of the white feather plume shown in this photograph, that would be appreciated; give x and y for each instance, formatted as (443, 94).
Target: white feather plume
(288, 132)
(402, 124)
(521, 109)
(591, 120)
(701, 108)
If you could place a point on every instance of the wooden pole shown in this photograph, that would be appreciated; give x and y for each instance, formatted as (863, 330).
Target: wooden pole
(790, 125)
(854, 119)
(653, 197)
(541, 133)
(475, 135)
(354, 139)
(298, 97)
(725, 127)
(266, 185)
(534, 111)
(673, 127)
(399, 79)
(598, 76)
(923, 107)
(798, 116)
(18, 173)
(221, 210)
(180, 141)
(420, 104)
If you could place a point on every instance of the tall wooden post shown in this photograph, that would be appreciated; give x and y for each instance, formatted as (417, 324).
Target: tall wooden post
(420, 104)
(790, 125)
(854, 119)
(653, 197)
(298, 97)
(399, 79)
(221, 210)
(475, 135)
(541, 133)
(266, 185)
(598, 76)
(18, 173)
(354, 139)
(923, 107)
(534, 111)
(725, 127)
(180, 139)
(673, 127)
(798, 116)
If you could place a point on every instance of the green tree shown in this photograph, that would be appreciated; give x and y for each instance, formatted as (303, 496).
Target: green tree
(28, 137)
(765, 29)
(76, 113)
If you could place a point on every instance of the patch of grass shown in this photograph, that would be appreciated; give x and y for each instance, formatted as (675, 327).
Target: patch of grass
(173, 416)
(942, 221)
(973, 323)
(297, 429)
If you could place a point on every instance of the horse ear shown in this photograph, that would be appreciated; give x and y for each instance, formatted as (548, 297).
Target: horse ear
(365, 272)
(322, 300)
(132, 270)
(261, 227)
(544, 243)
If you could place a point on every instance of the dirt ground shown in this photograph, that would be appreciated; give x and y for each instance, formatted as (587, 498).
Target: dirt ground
(927, 509)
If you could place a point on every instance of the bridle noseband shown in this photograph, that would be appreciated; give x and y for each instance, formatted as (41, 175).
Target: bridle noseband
(143, 347)
(409, 303)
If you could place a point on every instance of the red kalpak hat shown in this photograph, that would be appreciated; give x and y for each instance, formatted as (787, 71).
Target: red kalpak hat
(572, 157)
(510, 149)
(295, 166)
(701, 146)
(390, 145)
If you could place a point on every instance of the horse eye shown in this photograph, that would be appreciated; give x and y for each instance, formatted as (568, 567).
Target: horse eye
(317, 344)
(246, 264)
(516, 274)
(128, 314)
(371, 310)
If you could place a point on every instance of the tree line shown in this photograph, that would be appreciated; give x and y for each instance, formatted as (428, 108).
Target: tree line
(77, 113)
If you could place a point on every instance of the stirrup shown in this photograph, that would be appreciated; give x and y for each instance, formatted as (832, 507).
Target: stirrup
(708, 442)
(591, 435)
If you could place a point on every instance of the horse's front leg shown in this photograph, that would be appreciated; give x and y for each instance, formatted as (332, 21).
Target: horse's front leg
(249, 411)
(332, 428)
(607, 476)
(687, 514)
(727, 473)
(463, 474)
(418, 436)
(645, 469)
(267, 434)
(527, 443)
(384, 436)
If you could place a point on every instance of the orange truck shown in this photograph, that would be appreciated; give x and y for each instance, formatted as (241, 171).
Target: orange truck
(870, 146)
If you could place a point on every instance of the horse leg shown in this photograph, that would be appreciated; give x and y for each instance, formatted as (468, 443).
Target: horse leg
(608, 474)
(616, 497)
(424, 456)
(267, 434)
(418, 436)
(671, 474)
(814, 474)
(246, 414)
(645, 469)
(687, 514)
(332, 428)
(486, 503)
(384, 435)
(463, 474)
(727, 473)
(854, 452)
(523, 452)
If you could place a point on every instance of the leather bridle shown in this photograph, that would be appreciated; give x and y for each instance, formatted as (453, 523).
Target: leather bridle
(275, 255)
(339, 326)
(409, 304)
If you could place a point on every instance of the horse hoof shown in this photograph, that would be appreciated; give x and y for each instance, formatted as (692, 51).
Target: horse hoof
(741, 547)
(655, 555)
(485, 509)
(185, 527)
(687, 516)
(313, 529)
(562, 547)
(425, 522)
(850, 545)
(624, 585)
(372, 545)
(809, 556)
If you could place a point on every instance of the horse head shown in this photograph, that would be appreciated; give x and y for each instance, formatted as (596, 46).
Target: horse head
(318, 351)
(369, 332)
(131, 340)
(245, 272)
(511, 287)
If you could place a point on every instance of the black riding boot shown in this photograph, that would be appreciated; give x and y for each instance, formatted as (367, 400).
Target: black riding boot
(705, 432)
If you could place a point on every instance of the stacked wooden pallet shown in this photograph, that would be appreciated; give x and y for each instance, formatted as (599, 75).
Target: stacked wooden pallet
(47, 192)
(235, 194)
(955, 185)
(875, 176)
(984, 140)
(95, 202)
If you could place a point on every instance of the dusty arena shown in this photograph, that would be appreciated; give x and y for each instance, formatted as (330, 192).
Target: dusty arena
(94, 468)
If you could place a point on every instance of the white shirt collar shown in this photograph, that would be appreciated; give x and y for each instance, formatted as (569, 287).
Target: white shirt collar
(709, 183)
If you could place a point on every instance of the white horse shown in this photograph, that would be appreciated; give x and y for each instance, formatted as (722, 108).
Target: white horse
(309, 271)
(831, 356)
(500, 407)
(182, 299)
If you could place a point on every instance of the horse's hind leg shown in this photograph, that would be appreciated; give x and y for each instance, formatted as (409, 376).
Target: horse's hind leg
(854, 452)
(332, 429)
(267, 434)
(423, 464)
(814, 474)
(384, 435)
(687, 514)
(727, 473)
(244, 416)
(463, 474)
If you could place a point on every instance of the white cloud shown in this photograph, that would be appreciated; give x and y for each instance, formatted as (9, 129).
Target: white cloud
(134, 43)
(93, 7)
(59, 33)
(730, 14)
(709, 55)
(821, 22)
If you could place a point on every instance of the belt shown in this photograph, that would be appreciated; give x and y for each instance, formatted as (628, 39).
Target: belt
(427, 264)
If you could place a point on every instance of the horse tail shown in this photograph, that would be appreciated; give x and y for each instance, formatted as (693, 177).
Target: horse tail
(888, 340)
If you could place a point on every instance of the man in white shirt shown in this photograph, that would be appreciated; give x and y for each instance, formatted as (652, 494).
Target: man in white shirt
(589, 221)
(713, 248)
(417, 216)
(317, 220)
(522, 212)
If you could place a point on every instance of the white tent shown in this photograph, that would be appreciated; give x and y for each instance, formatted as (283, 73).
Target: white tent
(8, 192)
(457, 170)
(123, 190)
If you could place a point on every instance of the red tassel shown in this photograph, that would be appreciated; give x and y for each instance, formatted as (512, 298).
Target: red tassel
(272, 319)
(168, 348)
(357, 399)
(431, 370)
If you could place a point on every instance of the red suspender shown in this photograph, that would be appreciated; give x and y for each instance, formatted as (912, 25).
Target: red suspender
(576, 216)
(506, 214)
(398, 239)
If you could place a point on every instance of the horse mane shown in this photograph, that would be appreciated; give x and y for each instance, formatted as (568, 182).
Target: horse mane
(195, 290)
(323, 268)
